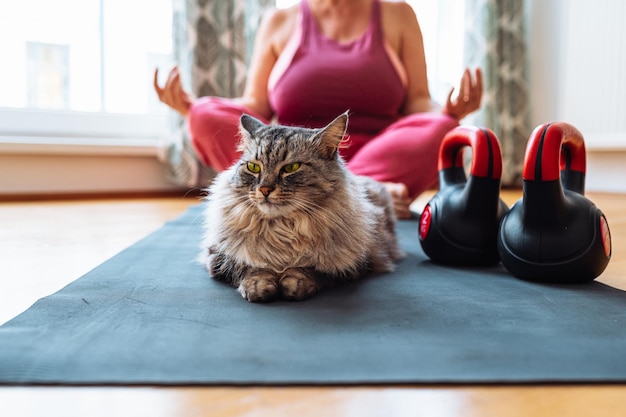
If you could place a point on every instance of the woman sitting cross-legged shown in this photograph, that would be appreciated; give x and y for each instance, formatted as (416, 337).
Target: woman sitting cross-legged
(317, 59)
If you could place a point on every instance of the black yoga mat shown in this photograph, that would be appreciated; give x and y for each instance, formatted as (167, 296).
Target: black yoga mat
(151, 315)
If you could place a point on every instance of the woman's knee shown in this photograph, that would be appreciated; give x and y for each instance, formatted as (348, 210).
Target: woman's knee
(430, 124)
(213, 126)
(210, 115)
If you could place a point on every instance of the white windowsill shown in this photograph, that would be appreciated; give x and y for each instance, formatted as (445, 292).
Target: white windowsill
(598, 142)
(47, 132)
(42, 145)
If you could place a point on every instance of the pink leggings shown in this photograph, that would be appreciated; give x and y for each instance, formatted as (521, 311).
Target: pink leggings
(405, 152)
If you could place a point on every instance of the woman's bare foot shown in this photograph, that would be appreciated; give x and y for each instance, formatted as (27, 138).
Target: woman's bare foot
(401, 201)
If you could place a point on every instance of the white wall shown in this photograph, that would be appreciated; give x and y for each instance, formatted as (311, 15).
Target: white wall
(69, 174)
(544, 20)
(47, 152)
(572, 51)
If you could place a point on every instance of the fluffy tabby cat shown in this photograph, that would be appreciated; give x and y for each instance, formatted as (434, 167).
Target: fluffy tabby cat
(289, 219)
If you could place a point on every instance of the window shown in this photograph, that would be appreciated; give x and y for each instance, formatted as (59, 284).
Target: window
(442, 25)
(85, 65)
(81, 70)
(83, 55)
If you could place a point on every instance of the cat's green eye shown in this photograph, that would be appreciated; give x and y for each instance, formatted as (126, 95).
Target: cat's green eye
(254, 168)
(289, 168)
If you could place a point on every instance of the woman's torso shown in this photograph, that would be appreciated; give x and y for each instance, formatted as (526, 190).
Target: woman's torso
(316, 78)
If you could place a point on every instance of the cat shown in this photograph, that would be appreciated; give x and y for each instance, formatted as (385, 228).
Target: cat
(288, 219)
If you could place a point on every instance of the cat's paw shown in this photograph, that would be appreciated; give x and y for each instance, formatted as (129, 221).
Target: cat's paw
(259, 288)
(296, 285)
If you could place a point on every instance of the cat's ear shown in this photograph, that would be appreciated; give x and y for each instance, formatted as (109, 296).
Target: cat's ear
(331, 136)
(250, 124)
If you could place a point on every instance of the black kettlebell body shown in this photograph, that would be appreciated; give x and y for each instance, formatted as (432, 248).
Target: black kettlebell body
(554, 234)
(459, 225)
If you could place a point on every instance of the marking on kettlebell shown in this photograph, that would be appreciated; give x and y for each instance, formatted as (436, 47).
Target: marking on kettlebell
(489, 145)
(425, 220)
(538, 164)
(606, 236)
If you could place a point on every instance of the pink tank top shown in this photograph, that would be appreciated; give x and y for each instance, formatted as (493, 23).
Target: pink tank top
(317, 78)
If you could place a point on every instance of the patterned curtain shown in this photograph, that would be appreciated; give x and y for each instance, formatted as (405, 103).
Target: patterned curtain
(213, 42)
(495, 41)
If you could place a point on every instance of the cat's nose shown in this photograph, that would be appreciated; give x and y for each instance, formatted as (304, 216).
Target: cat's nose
(265, 190)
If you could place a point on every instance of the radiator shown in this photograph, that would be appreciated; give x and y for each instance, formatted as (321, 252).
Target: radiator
(592, 88)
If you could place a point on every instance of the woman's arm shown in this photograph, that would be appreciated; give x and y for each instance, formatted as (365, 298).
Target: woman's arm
(411, 53)
(264, 56)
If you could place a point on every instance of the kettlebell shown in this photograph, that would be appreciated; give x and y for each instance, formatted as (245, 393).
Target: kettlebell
(459, 225)
(554, 234)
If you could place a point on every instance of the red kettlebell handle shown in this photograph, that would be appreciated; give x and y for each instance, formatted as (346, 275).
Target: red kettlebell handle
(544, 159)
(486, 154)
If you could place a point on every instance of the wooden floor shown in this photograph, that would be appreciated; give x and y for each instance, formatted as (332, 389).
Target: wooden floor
(46, 245)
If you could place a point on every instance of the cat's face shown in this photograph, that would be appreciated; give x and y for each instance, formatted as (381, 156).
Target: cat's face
(283, 169)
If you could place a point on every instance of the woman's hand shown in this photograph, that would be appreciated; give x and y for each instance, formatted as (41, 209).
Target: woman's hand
(469, 97)
(173, 93)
